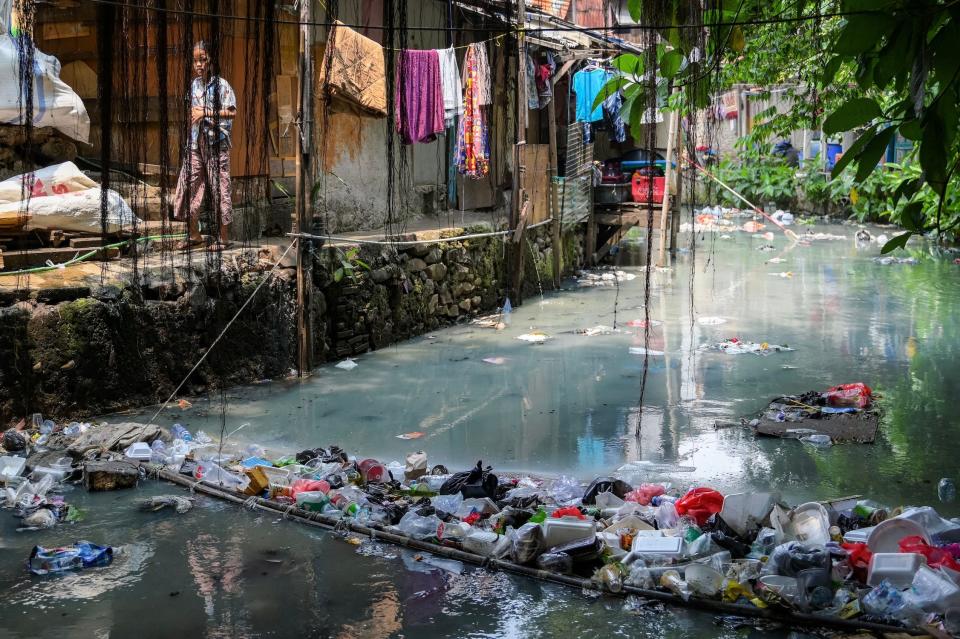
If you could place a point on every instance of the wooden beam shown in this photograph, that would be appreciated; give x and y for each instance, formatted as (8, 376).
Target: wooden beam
(519, 197)
(304, 191)
(668, 173)
(555, 239)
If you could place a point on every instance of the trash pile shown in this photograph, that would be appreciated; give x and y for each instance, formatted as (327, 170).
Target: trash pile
(852, 558)
(736, 346)
(887, 260)
(843, 413)
(37, 459)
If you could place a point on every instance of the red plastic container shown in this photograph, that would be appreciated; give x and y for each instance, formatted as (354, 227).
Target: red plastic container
(373, 471)
(640, 188)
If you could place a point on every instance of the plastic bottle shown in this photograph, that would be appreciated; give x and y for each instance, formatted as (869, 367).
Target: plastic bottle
(868, 509)
(179, 432)
(507, 307)
(946, 490)
(610, 576)
(47, 426)
(202, 438)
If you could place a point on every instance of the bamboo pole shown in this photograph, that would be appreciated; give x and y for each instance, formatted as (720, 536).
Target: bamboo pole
(377, 532)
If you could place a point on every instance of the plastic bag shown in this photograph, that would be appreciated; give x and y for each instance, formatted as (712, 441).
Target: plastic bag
(526, 543)
(667, 516)
(856, 395)
(608, 500)
(83, 554)
(478, 482)
(936, 557)
(556, 562)
(790, 558)
(858, 558)
(419, 527)
(565, 491)
(701, 504)
(645, 493)
(308, 486)
(568, 511)
(599, 485)
(447, 503)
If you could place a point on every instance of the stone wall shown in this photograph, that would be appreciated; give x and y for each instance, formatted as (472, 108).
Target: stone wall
(79, 352)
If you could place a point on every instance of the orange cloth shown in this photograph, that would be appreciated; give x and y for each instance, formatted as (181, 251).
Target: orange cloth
(353, 73)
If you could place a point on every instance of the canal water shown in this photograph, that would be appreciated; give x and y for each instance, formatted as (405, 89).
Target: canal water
(569, 406)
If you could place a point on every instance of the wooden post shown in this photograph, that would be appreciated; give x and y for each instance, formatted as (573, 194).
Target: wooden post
(668, 173)
(304, 191)
(554, 200)
(517, 208)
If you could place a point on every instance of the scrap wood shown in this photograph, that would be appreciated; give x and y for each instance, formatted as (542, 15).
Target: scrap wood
(113, 437)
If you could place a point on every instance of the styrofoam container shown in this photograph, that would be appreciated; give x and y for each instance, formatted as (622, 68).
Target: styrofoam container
(11, 467)
(139, 451)
(612, 543)
(703, 579)
(745, 511)
(897, 568)
(650, 545)
(566, 529)
(807, 523)
(627, 523)
(885, 536)
(858, 536)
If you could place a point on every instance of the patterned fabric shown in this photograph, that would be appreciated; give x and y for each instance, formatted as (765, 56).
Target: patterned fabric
(205, 168)
(473, 148)
(206, 96)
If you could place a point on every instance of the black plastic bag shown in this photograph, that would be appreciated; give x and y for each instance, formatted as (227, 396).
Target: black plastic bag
(526, 543)
(478, 482)
(556, 562)
(580, 550)
(603, 485)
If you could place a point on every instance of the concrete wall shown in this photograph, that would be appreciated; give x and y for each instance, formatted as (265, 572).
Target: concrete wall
(353, 158)
(80, 351)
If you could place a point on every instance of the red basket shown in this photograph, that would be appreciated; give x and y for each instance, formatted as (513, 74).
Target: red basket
(640, 188)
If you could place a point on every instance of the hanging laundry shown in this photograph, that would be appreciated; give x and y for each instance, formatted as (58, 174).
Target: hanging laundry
(451, 86)
(473, 149)
(545, 71)
(533, 96)
(611, 117)
(353, 74)
(587, 84)
(419, 96)
(539, 85)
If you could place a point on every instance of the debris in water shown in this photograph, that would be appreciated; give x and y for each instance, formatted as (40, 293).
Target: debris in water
(414, 435)
(153, 504)
(535, 337)
(783, 274)
(183, 404)
(639, 350)
(710, 321)
(347, 365)
(497, 361)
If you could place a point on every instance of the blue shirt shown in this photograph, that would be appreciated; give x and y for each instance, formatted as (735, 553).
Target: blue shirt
(587, 84)
(205, 96)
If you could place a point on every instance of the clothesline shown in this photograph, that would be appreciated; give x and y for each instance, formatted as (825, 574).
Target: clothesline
(498, 40)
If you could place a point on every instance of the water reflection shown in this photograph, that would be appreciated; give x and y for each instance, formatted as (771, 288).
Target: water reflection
(569, 406)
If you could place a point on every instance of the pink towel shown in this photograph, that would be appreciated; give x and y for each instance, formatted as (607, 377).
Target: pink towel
(419, 96)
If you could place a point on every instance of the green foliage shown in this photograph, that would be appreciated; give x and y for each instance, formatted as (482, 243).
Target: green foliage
(349, 262)
(759, 178)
